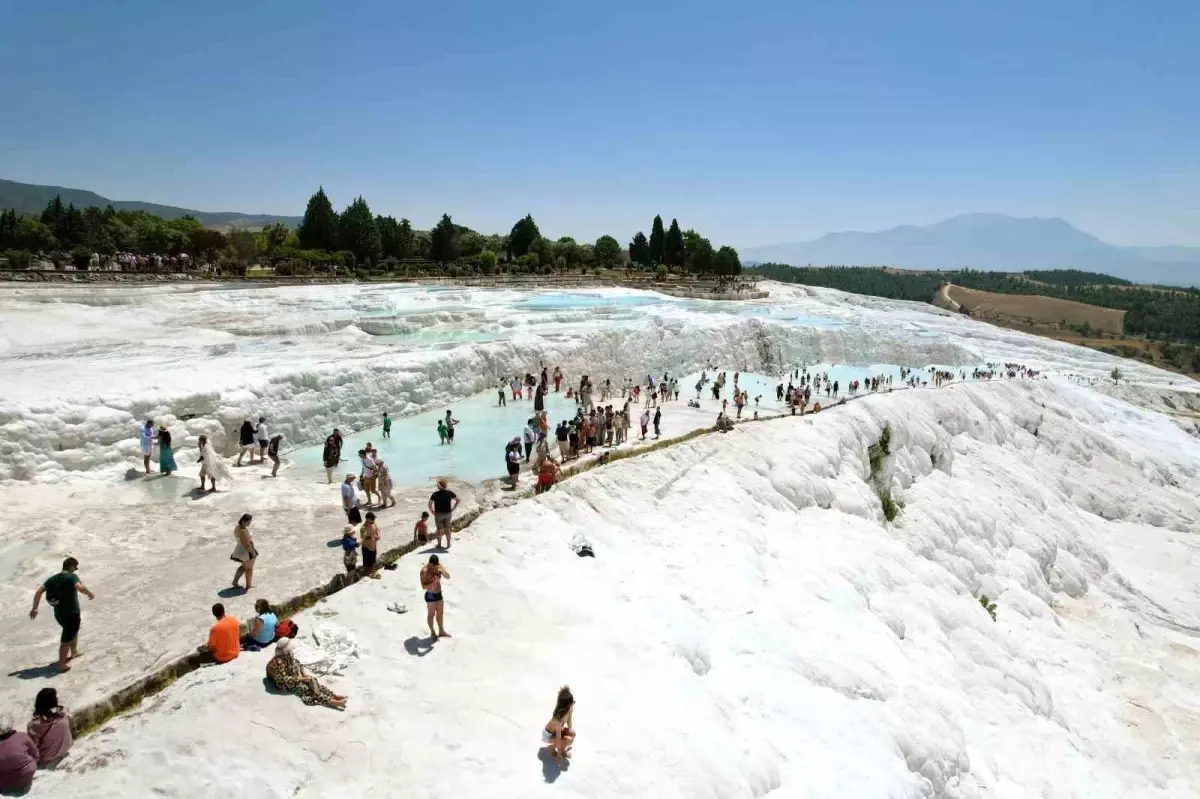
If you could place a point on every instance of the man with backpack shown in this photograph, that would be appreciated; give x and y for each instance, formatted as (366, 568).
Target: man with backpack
(62, 592)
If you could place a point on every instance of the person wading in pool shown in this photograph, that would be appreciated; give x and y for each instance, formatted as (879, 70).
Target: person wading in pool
(450, 422)
(431, 580)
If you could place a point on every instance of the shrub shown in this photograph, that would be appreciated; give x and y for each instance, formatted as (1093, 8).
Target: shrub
(1116, 375)
(81, 257)
(362, 274)
(18, 259)
(988, 605)
(879, 450)
(891, 508)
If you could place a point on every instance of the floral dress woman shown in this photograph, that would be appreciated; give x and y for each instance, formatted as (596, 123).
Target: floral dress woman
(290, 676)
(166, 458)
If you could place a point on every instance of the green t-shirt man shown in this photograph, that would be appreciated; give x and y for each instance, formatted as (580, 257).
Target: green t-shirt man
(62, 594)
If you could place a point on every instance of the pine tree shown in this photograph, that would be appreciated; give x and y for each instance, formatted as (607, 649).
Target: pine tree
(443, 241)
(358, 233)
(406, 245)
(673, 251)
(318, 229)
(524, 235)
(639, 249)
(656, 241)
(607, 251)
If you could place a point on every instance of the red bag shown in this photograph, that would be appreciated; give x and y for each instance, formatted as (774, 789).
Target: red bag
(286, 629)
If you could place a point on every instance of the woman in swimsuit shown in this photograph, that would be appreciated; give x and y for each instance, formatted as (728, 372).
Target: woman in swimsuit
(559, 733)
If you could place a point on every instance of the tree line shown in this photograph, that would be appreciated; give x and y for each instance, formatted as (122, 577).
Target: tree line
(1157, 313)
(355, 238)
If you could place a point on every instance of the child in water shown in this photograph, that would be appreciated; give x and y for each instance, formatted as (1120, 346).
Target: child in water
(443, 433)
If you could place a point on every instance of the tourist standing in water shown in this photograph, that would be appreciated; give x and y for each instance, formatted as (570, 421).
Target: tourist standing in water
(529, 436)
(432, 575)
(211, 466)
(329, 456)
(450, 423)
(246, 442)
(645, 423)
(387, 425)
(263, 435)
(273, 453)
(367, 473)
(244, 553)
(166, 457)
(500, 393)
(383, 482)
(657, 422)
(62, 593)
(558, 378)
(442, 504)
(146, 443)
(442, 431)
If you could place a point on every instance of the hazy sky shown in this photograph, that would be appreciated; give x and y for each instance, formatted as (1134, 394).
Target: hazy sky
(754, 122)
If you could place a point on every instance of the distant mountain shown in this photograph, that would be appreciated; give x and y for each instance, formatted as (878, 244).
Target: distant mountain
(992, 242)
(28, 198)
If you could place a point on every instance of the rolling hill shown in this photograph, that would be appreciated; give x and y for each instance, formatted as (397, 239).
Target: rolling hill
(990, 242)
(28, 198)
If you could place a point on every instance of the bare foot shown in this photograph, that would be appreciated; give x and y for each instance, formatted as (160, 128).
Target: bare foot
(443, 634)
(63, 667)
(72, 657)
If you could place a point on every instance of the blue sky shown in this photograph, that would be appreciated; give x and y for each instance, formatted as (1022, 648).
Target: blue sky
(754, 122)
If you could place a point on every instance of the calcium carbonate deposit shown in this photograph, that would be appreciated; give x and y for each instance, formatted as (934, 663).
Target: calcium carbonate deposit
(751, 623)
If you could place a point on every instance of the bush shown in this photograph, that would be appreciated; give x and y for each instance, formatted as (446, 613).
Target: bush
(661, 272)
(81, 257)
(362, 274)
(988, 605)
(879, 450)
(891, 508)
(18, 259)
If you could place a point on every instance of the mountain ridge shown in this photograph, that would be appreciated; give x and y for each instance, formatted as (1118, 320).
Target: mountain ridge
(31, 198)
(992, 242)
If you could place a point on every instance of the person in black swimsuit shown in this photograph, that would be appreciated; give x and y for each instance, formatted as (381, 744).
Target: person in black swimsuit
(431, 580)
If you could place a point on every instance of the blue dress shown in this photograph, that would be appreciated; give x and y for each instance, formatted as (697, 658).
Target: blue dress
(166, 458)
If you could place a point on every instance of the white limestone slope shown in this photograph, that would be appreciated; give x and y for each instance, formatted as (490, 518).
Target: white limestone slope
(751, 625)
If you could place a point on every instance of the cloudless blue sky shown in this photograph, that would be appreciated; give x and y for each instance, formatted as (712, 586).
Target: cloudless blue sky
(754, 122)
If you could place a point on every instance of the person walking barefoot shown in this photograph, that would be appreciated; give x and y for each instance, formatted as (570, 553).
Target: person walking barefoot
(432, 575)
(62, 592)
(244, 554)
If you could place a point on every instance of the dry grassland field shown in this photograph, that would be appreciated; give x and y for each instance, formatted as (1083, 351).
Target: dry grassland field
(1037, 310)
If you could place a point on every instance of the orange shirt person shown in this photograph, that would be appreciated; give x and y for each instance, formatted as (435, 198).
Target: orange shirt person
(224, 638)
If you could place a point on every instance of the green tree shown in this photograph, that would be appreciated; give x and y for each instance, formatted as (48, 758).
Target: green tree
(566, 249)
(318, 229)
(639, 249)
(205, 243)
(443, 241)
(34, 235)
(275, 237)
(673, 251)
(486, 261)
(727, 262)
(608, 251)
(8, 229)
(242, 246)
(357, 232)
(544, 251)
(406, 246)
(470, 243)
(698, 253)
(524, 235)
(389, 236)
(657, 241)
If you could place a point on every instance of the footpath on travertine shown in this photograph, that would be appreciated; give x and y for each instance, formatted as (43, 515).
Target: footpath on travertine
(156, 554)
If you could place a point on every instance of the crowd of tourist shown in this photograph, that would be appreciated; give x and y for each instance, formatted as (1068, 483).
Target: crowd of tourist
(604, 417)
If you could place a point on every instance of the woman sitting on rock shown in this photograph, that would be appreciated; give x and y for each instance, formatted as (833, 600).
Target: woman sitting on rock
(290, 676)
